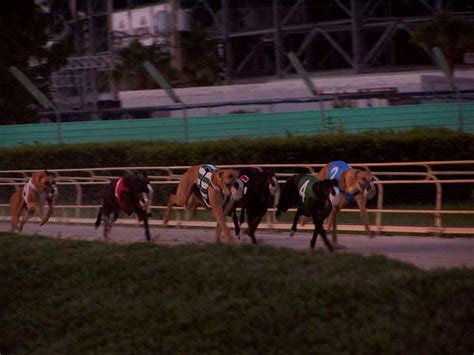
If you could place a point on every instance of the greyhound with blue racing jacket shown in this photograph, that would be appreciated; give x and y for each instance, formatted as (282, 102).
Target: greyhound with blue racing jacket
(356, 186)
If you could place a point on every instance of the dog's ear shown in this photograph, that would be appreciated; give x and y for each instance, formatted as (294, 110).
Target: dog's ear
(127, 180)
(363, 178)
(36, 177)
(217, 177)
(50, 173)
(141, 173)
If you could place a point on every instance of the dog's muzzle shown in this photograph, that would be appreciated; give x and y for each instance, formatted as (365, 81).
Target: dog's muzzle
(370, 190)
(53, 191)
(146, 198)
(237, 190)
(334, 196)
(274, 188)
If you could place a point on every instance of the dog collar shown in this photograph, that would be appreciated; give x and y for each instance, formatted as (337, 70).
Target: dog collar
(32, 186)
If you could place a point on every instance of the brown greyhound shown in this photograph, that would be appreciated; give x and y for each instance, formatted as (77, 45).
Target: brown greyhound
(39, 190)
(355, 185)
(217, 189)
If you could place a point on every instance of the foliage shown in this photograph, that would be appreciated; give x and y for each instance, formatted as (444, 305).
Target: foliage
(29, 41)
(201, 62)
(453, 34)
(88, 297)
(414, 145)
(130, 71)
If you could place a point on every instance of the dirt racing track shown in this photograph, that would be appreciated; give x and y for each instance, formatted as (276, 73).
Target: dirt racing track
(424, 252)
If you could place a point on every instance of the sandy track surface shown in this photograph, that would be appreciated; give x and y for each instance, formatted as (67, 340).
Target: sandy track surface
(424, 252)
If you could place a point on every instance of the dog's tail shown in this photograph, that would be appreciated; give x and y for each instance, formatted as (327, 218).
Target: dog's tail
(99, 218)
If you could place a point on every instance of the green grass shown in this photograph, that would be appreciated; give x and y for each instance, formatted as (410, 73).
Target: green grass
(61, 297)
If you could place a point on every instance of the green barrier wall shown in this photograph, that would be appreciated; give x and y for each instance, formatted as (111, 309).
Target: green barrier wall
(243, 125)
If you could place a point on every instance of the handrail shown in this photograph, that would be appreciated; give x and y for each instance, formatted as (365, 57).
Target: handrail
(172, 173)
(179, 167)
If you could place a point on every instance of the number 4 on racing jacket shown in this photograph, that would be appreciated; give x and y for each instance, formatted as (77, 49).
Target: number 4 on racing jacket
(311, 197)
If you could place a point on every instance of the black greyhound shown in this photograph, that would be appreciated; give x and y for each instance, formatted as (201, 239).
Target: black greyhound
(311, 197)
(261, 191)
(130, 194)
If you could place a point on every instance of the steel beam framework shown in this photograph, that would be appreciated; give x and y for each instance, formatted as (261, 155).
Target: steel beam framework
(88, 72)
(362, 32)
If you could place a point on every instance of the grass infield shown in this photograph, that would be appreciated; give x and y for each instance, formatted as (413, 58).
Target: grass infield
(59, 296)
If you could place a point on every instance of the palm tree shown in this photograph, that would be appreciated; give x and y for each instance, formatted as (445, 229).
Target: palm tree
(130, 72)
(452, 34)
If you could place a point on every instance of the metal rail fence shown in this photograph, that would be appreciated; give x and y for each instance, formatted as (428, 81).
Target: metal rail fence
(434, 173)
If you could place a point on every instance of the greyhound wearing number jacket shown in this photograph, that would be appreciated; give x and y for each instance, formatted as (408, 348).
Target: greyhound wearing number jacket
(356, 186)
(261, 191)
(217, 189)
(40, 191)
(312, 197)
(129, 194)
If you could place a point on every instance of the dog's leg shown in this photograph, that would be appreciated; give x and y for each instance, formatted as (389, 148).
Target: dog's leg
(216, 200)
(303, 221)
(147, 229)
(99, 218)
(319, 229)
(332, 223)
(107, 222)
(191, 207)
(253, 224)
(26, 216)
(169, 208)
(295, 222)
(236, 222)
(17, 204)
(312, 243)
(13, 221)
(219, 216)
(364, 215)
(217, 233)
(16, 216)
(175, 199)
(183, 193)
(243, 211)
(332, 226)
(40, 211)
(116, 214)
(49, 213)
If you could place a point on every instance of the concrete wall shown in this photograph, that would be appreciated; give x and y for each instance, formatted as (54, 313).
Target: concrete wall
(294, 88)
(279, 124)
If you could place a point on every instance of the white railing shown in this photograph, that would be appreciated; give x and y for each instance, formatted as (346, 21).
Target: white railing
(437, 173)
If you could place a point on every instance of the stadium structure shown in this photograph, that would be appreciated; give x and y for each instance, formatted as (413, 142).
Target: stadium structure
(346, 37)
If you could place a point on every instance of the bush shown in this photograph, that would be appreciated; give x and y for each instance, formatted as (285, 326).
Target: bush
(415, 145)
